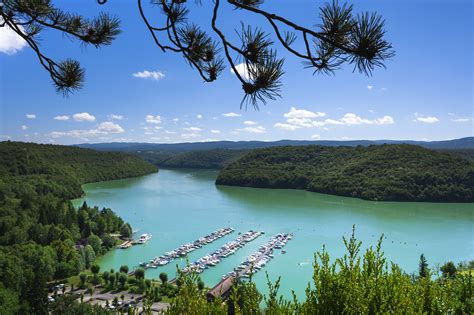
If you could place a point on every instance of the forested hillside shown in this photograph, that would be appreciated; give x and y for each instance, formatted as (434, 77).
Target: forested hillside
(42, 236)
(206, 159)
(385, 172)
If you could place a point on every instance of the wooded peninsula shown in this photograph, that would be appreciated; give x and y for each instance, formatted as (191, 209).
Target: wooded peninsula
(395, 172)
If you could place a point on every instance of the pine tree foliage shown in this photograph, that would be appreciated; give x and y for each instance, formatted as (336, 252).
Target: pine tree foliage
(340, 37)
(28, 18)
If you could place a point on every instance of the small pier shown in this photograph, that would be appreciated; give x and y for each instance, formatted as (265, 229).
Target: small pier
(126, 244)
(250, 266)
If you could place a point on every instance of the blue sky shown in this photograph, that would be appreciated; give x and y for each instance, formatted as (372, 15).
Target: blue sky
(134, 92)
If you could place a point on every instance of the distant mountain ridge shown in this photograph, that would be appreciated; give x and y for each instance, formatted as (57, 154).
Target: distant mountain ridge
(462, 143)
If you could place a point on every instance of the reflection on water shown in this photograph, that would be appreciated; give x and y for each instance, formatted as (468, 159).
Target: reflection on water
(177, 206)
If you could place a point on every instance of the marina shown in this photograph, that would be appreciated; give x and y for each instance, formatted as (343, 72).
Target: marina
(185, 249)
(212, 259)
(250, 266)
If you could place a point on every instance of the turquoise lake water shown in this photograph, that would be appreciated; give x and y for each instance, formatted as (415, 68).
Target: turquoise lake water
(178, 206)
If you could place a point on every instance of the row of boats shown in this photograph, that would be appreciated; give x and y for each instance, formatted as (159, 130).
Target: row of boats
(185, 249)
(257, 260)
(212, 259)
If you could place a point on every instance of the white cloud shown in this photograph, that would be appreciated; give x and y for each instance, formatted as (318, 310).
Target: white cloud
(152, 75)
(175, 120)
(316, 137)
(353, 119)
(370, 87)
(385, 120)
(115, 117)
(300, 122)
(190, 135)
(242, 70)
(258, 129)
(215, 131)
(192, 129)
(170, 132)
(327, 122)
(153, 119)
(10, 42)
(427, 119)
(83, 117)
(461, 120)
(31, 116)
(451, 114)
(5, 137)
(285, 126)
(305, 119)
(61, 117)
(110, 127)
(231, 114)
(302, 113)
(103, 129)
(249, 123)
(24, 127)
(198, 116)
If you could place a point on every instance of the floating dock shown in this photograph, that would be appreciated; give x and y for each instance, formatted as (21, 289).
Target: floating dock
(250, 266)
(126, 244)
(185, 249)
(212, 259)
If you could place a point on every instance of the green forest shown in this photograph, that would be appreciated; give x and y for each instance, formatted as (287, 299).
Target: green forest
(42, 236)
(204, 159)
(218, 158)
(398, 172)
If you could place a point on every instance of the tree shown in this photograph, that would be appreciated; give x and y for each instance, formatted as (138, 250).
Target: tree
(89, 255)
(105, 277)
(423, 270)
(122, 279)
(91, 291)
(124, 269)
(126, 230)
(200, 284)
(139, 273)
(112, 280)
(448, 270)
(96, 243)
(95, 268)
(163, 277)
(83, 278)
(342, 37)
(9, 301)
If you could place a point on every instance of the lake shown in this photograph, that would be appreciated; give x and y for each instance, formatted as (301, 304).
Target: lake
(178, 206)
